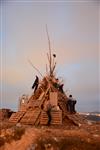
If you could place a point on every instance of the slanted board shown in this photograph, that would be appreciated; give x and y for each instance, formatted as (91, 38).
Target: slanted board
(54, 98)
(76, 118)
(31, 103)
(56, 116)
(41, 96)
(43, 99)
(15, 117)
(37, 103)
(30, 117)
(73, 118)
(31, 98)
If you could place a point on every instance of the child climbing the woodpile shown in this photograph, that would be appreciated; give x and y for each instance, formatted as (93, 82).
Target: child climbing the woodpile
(35, 84)
(58, 85)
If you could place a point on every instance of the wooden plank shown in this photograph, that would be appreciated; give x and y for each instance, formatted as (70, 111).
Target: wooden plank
(37, 103)
(54, 98)
(76, 118)
(43, 99)
(15, 117)
(30, 117)
(41, 96)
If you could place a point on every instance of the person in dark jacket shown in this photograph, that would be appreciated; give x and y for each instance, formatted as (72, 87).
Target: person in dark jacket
(71, 104)
(35, 84)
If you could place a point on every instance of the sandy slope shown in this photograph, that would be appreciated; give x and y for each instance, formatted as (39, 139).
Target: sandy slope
(49, 138)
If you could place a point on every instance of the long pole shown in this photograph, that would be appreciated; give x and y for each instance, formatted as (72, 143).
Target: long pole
(50, 58)
(34, 67)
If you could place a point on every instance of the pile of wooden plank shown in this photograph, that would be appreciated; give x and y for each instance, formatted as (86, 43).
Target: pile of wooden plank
(56, 118)
(33, 112)
(16, 117)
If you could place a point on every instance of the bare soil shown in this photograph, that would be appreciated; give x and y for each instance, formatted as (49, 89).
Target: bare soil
(85, 137)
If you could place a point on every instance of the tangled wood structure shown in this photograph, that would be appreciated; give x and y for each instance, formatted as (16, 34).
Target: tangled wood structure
(31, 110)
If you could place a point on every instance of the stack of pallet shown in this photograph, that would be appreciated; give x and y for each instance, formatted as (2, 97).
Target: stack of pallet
(56, 117)
(33, 112)
(16, 117)
(31, 117)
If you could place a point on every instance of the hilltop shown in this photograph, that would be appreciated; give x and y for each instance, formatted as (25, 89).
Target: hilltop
(25, 137)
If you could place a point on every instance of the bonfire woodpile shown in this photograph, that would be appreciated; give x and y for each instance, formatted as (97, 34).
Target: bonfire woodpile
(31, 110)
(50, 88)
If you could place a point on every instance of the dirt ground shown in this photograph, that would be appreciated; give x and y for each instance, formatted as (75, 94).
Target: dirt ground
(85, 137)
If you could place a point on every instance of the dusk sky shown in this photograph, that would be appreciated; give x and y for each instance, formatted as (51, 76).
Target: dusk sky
(74, 30)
